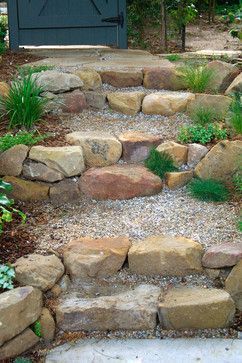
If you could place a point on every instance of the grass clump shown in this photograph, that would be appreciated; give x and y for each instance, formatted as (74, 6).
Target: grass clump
(29, 70)
(23, 106)
(197, 78)
(173, 57)
(235, 114)
(21, 138)
(160, 163)
(208, 190)
(205, 115)
(201, 134)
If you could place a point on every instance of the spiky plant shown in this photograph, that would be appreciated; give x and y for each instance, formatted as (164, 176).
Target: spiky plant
(197, 78)
(208, 190)
(160, 163)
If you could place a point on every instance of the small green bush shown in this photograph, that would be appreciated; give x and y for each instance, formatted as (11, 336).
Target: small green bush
(201, 134)
(160, 163)
(205, 115)
(7, 275)
(29, 70)
(197, 78)
(173, 57)
(22, 360)
(37, 329)
(235, 113)
(208, 190)
(23, 106)
(21, 138)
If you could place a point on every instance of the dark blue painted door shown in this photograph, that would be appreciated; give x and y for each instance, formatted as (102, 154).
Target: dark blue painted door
(67, 22)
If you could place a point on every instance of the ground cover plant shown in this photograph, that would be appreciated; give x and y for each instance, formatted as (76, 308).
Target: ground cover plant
(23, 106)
(205, 115)
(208, 190)
(7, 274)
(160, 163)
(28, 70)
(21, 138)
(201, 134)
(197, 78)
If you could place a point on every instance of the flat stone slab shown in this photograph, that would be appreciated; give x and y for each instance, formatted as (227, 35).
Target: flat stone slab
(133, 309)
(148, 351)
(226, 254)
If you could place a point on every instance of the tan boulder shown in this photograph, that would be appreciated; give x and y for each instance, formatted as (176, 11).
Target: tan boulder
(119, 182)
(178, 179)
(90, 78)
(66, 159)
(38, 271)
(41, 172)
(236, 85)
(57, 82)
(195, 153)
(223, 74)
(95, 100)
(177, 151)
(128, 103)
(4, 89)
(19, 308)
(122, 78)
(27, 190)
(218, 103)
(166, 104)
(166, 256)
(221, 162)
(195, 308)
(19, 344)
(163, 78)
(91, 258)
(47, 324)
(233, 284)
(11, 160)
(66, 191)
(99, 148)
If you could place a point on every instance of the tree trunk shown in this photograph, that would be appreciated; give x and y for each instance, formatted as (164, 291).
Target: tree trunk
(211, 11)
(183, 37)
(163, 26)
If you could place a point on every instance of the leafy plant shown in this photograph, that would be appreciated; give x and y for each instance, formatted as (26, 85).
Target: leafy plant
(22, 360)
(160, 163)
(23, 106)
(197, 78)
(7, 211)
(7, 275)
(235, 114)
(37, 328)
(201, 134)
(29, 70)
(173, 57)
(205, 115)
(3, 27)
(208, 190)
(21, 138)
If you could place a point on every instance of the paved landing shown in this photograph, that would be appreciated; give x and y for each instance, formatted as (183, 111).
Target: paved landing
(149, 351)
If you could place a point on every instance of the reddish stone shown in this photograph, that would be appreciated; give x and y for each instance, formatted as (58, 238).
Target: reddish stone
(122, 78)
(163, 78)
(74, 102)
(137, 145)
(227, 254)
(119, 182)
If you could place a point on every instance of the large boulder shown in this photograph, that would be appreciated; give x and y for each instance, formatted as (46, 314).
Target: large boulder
(217, 103)
(74, 102)
(95, 100)
(88, 258)
(195, 153)
(99, 148)
(11, 160)
(90, 78)
(47, 324)
(166, 104)
(66, 159)
(224, 255)
(166, 256)
(122, 78)
(163, 78)
(178, 179)
(177, 151)
(19, 344)
(19, 308)
(119, 182)
(128, 103)
(223, 74)
(41, 172)
(27, 190)
(195, 308)
(38, 271)
(137, 145)
(236, 85)
(66, 191)
(57, 82)
(233, 284)
(221, 162)
(134, 309)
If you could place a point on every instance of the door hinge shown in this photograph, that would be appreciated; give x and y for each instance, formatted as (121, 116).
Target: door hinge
(117, 19)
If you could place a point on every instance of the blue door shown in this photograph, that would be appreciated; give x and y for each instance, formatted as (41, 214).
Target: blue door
(67, 22)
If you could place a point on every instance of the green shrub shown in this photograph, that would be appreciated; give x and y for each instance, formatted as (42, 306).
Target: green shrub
(197, 78)
(23, 106)
(7, 211)
(21, 138)
(201, 134)
(7, 275)
(22, 360)
(235, 113)
(237, 181)
(29, 70)
(37, 329)
(160, 163)
(209, 190)
(173, 57)
(205, 115)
